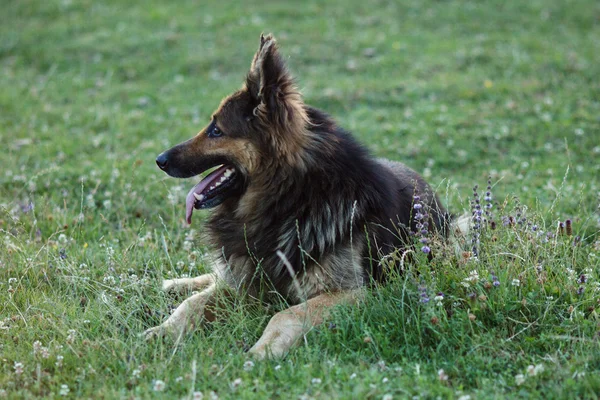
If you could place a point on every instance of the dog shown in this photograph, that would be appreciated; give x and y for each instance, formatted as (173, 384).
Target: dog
(301, 210)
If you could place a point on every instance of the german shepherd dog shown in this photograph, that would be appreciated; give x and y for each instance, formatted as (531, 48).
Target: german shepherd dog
(300, 209)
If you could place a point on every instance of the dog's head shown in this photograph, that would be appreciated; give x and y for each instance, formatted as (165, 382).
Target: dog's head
(262, 123)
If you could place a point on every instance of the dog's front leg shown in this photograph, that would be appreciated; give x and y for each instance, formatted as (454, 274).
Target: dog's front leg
(186, 316)
(287, 327)
(180, 285)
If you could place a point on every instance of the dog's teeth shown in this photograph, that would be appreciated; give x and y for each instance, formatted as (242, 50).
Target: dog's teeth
(223, 178)
(218, 183)
(211, 188)
(199, 197)
(228, 173)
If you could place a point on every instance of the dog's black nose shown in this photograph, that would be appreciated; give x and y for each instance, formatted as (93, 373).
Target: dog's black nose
(162, 161)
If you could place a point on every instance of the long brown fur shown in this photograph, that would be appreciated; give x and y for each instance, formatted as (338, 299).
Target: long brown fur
(308, 215)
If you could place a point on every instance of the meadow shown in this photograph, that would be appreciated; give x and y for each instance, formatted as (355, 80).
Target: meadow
(465, 92)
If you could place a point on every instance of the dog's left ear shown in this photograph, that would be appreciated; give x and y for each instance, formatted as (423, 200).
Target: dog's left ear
(270, 83)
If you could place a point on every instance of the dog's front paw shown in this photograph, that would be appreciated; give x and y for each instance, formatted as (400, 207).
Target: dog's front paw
(153, 333)
(168, 285)
(162, 331)
(273, 351)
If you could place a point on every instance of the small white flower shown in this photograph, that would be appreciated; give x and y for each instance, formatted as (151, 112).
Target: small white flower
(37, 346)
(248, 365)
(213, 395)
(316, 381)
(236, 383)
(45, 352)
(277, 367)
(71, 336)
(535, 370)
(59, 361)
(18, 368)
(387, 396)
(136, 373)
(465, 397)
(442, 375)
(198, 396)
(353, 376)
(519, 379)
(385, 380)
(64, 390)
(516, 282)
(179, 379)
(158, 385)
(473, 277)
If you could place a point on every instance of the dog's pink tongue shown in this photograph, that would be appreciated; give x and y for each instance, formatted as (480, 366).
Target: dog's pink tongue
(190, 200)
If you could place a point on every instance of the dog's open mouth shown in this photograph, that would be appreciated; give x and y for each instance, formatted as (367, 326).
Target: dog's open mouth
(212, 190)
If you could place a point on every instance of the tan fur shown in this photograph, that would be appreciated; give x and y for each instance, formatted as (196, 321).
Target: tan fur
(188, 284)
(287, 327)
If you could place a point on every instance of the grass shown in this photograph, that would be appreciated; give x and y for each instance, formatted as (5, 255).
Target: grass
(91, 92)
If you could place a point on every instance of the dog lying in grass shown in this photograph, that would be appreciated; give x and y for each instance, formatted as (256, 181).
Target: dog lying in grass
(300, 210)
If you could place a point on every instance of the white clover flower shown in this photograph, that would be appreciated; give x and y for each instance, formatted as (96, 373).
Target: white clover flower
(442, 375)
(37, 346)
(71, 336)
(516, 282)
(18, 368)
(64, 390)
(248, 365)
(158, 385)
(519, 379)
(197, 395)
(236, 383)
(45, 352)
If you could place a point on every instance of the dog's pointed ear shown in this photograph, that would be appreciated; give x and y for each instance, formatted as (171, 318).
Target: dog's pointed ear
(270, 83)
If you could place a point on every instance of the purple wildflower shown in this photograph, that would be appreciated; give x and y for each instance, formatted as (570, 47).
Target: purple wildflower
(421, 224)
(495, 280)
(424, 297)
(488, 203)
(476, 218)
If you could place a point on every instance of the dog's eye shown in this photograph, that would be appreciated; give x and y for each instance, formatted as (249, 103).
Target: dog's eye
(214, 131)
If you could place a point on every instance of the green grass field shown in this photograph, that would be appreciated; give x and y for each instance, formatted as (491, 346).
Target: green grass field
(91, 92)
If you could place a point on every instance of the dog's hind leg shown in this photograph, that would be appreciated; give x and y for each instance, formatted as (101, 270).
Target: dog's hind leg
(287, 327)
(188, 284)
